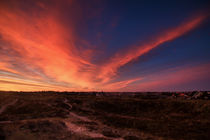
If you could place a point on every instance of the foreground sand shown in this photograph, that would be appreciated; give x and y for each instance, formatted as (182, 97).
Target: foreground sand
(59, 116)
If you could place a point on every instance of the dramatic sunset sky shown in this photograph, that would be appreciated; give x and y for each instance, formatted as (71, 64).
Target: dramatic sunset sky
(109, 45)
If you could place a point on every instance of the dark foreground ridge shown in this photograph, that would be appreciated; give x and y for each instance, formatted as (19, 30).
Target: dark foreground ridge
(104, 115)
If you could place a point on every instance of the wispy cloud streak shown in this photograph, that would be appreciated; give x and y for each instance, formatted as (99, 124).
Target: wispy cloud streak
(175, 79)
(131, 53)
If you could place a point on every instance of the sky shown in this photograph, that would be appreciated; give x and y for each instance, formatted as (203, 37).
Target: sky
(104, 45)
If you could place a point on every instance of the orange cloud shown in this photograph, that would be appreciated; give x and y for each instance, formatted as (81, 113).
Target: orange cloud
(3, 66)
(26, 85)
(42, 41)
(115, 86)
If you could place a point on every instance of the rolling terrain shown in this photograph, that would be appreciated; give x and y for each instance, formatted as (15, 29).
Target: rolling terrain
(102, 116)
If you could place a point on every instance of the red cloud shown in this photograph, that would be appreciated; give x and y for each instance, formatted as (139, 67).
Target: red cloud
(42, 40)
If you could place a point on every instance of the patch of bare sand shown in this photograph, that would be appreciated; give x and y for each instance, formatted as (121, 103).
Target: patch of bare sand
(82, 130)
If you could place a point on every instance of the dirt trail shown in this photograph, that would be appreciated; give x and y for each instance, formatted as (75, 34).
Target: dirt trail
(79, 129)
(82, 118)
(4, 107)
(66, 102)
(82, 130)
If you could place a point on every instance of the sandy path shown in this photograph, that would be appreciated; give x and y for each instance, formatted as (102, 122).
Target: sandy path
(82, 130)
(66, 102)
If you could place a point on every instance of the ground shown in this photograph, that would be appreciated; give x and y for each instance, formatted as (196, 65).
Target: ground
(72, 116)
